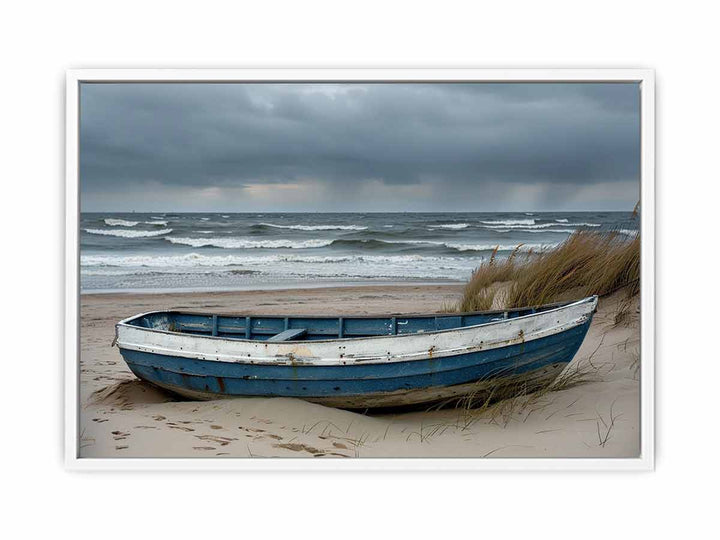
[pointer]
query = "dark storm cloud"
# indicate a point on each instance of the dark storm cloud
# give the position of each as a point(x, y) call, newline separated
point(462, 137)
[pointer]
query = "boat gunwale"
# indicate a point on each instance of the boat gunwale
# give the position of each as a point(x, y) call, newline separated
point(558, 306)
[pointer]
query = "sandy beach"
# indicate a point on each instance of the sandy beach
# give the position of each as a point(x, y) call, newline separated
point(121, 416)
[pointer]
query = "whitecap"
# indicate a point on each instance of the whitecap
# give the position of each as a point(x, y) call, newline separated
point(128, 234)
point(120, 222)
point(528, 227)
point(455, 226)
point(500, 247)
point(243, 243)
point(317, 227)
point(509, 222)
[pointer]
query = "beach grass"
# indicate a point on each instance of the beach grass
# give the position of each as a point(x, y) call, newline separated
point(586, 263)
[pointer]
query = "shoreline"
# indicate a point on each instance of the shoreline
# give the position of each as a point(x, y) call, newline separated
point(278, 288)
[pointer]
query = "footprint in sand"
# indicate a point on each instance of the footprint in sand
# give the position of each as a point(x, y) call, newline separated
point(298, 447)
point(222, 441)
point(175, 426)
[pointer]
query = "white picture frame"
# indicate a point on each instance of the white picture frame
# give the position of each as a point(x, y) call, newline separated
point(646, 80)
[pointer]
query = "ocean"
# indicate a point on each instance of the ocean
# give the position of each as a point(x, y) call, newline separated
point(194, 251)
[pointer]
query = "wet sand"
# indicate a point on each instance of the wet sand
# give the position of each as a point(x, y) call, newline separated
point(121, 416)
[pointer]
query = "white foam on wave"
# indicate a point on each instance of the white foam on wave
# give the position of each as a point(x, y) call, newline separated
point(120, 222)
point(563, 231)
point(190, 260)
point(473, 247)
point(500, 247)
point(509, 222)
point(469, 247)
point(454, 226)
point(225, 216)
point(531, 227)
point(158, 222)
point(317, 227)
point(561, 220)
point(128, 234)
point(243, 243)
point(283, 266)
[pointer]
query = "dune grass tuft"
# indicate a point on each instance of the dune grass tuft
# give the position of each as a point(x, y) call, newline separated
point(586, 263)
point(480, 291)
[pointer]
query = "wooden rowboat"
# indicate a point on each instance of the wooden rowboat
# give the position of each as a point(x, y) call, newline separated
point(355, 362)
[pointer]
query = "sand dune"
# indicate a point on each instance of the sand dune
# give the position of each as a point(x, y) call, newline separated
point(124, 417)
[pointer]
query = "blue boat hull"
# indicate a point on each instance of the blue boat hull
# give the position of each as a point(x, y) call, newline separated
point(360, 386)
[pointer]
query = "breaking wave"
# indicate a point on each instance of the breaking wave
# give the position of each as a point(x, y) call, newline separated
point(530, 227)
point(199, 260)
point(120, 222)
point(316, 227)
point(243, 243)
point(127, 234)
point(509, 222)
point(365, 245)
point(454, 226)
point(500, 247)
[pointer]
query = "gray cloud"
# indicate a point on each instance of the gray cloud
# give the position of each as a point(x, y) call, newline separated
point(341, 146)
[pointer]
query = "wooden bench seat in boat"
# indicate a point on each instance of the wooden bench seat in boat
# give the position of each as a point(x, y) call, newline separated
point(287, 335)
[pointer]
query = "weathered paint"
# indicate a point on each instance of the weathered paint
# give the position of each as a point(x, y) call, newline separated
point(376, 371)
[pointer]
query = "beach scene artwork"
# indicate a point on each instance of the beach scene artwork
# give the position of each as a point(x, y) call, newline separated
point(359, 270)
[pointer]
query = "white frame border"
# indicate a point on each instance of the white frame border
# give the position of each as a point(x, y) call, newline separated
point(645, 77)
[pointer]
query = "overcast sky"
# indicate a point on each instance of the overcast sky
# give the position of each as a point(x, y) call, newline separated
point(359, 147)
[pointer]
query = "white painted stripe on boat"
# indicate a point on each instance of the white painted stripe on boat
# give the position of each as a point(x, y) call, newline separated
point(377, 349)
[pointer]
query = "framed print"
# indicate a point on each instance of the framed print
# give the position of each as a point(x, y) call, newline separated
point(360, 269)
